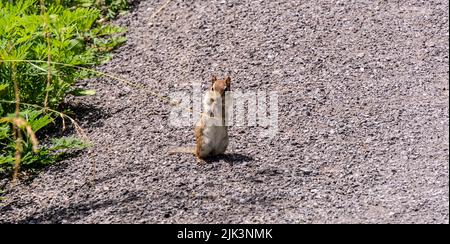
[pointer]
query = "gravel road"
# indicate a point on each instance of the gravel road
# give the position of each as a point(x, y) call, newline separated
point(363, 134)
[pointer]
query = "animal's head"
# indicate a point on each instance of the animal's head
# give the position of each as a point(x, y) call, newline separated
point(220, 86)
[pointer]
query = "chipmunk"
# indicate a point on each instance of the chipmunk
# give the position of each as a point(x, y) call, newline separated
point(211, 132)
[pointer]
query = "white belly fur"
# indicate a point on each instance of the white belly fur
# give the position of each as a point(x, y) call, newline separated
point(215, 137)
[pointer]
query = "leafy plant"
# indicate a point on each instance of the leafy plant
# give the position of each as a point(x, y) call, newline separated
point(1, 193)
point(68, 143)
point(36, 120)
point(74, 40)
point(42, 46)
point(109, 8)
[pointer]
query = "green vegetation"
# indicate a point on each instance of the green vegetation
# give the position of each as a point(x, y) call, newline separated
point(109, 8)
point(42, 46)
point(1, 193)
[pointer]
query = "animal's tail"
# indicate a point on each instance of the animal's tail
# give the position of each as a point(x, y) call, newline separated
point(182, 150)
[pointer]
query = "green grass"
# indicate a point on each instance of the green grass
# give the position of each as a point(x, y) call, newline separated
point(46, 33)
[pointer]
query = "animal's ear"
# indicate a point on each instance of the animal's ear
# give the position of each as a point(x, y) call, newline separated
point(228, 81)
point(213, 79)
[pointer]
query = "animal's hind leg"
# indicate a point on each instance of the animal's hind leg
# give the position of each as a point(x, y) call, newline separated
point(200, 161)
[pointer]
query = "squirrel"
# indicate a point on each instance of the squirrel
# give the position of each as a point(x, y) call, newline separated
point(211, 131)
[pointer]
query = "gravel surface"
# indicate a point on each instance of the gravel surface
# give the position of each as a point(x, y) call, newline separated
point(363, 119)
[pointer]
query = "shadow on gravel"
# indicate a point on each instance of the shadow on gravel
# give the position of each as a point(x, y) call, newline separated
point(60, 165)
point(88, 115)
point(32, 171)
point(76, 211)
point(231, 158)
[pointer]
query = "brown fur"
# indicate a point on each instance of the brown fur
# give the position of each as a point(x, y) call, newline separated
point(198, 131)
point(220, 86)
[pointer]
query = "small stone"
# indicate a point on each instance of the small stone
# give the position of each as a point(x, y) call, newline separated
point(306, 171)
point(360, 55)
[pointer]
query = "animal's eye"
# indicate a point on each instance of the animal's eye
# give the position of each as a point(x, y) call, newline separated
point(212, 88)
